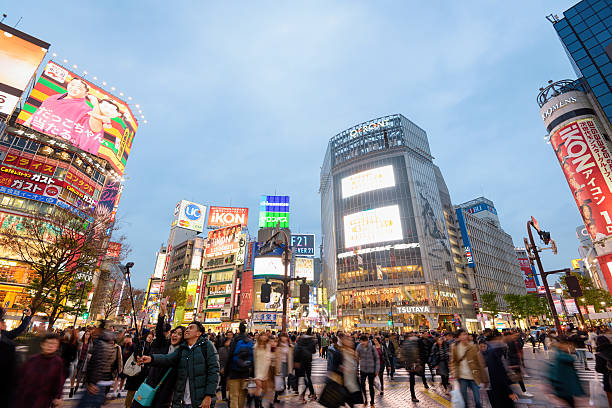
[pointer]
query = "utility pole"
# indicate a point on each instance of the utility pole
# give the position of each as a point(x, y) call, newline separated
point(533, 250)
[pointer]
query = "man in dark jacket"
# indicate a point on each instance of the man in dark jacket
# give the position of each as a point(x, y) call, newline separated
point(236, 379)
point(8, 357)
point(302, 360)
point(99, 368)
point(500, 394)
point(424, 353)
point(197, 365)
point(409, 358)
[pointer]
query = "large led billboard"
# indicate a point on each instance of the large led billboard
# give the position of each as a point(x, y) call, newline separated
point(586, 161)
point(20, 57)
point(189, 215)
point(268, 266)
point(66, 106)
point(373, 179)
point(227, 216)
point(223, 241)
point(276, 297)
point(303, 244)
point(377, 225)
point(304, 268)
point(273, 210)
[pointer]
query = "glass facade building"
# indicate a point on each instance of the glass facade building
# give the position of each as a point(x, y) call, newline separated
point(386, 255)
point(586, 34)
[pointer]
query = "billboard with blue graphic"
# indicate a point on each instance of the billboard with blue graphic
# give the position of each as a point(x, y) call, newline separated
point(189, 215)
point(466, 238)
point(273, 210)
point(481, 207)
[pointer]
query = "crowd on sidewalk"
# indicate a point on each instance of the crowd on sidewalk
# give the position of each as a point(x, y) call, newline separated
point(188, 367)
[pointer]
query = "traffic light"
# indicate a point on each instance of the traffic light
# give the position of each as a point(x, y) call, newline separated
point(304, 294)
point(85, 315)
point(266, 288)
point(389, 323)
point(544, 236)
point(573, 286)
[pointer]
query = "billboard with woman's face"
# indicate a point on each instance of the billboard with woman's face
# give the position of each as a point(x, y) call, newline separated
point(68, 107)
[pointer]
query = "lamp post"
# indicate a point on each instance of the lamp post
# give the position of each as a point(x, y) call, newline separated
point(126, 271)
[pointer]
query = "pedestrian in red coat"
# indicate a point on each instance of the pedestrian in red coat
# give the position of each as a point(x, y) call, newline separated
point(41, 379)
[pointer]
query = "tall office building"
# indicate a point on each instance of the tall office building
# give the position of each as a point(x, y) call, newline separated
point(586, 34)
point(489, 250)
point(386, 251)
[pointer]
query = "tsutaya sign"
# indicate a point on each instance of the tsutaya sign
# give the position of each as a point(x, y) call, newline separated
point(413, 309)
point(556, 106)
point(369, 127)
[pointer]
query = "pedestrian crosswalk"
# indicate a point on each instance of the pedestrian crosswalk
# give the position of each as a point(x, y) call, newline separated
point(79, 393)
point(587, 375)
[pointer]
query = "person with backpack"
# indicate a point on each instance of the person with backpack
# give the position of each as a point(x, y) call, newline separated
point(239, 367)
point(197, 368)
point(302, 359)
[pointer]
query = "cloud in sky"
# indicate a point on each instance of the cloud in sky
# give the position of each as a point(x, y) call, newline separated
point(242, 97)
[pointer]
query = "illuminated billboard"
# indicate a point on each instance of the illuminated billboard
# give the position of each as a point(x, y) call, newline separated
point(304, 268)
point(227, 216)
point(66, 106)
point(373, 179)
point(303, 244)
point(20, 57)
point(584, 156)
point(268, 266)
point(223, 241)
point(276, 297)
point(370, 226)
point(273, 210)
point(189, 215)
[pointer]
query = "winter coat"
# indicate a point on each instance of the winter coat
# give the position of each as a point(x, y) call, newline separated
point(440, 357)
point(409, 356)
point(223, 352)
point(232, 374)
point(278, 359)
point(513, 353)
point(369, 362)
point(424, 349)
point(41, 381)
point(474, 360)
point(303, 352)
point(563, 377)
point(161, 345)
point(68, 353)
point(102, 358)
point(262, 358)
point(200, 363)
point(499, 381)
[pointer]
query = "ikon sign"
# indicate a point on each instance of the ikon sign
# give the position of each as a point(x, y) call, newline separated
point(227, 216)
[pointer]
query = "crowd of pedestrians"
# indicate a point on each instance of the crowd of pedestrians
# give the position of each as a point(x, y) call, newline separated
point(188, 366)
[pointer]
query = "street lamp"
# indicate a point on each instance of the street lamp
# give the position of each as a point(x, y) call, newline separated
point(126, 272)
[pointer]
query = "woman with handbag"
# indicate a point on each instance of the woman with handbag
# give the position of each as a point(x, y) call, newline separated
point(283, 362)
point(166, 342)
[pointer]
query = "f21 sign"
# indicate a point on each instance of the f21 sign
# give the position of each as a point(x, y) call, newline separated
point(303, 244)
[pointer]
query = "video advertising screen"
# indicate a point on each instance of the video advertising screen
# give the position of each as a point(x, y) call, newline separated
point(377, 225)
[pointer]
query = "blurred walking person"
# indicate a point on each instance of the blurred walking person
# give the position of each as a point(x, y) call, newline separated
point(500, 393)
point(8, 356)
point(82, 358)
point(383, 357)
point(562, 373)
point(409, 358)
point(262, 356)
point(467, 366)
point(283, 361)
point(42, 377)
point(302, 360)
point(603, 361)
point(439, 360)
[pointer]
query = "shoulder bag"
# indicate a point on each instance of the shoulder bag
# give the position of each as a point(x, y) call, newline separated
point(145, 394)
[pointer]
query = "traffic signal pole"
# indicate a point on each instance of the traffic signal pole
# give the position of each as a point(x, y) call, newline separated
point(534, 250)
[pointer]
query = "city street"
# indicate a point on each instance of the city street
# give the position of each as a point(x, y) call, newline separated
point(397, 392)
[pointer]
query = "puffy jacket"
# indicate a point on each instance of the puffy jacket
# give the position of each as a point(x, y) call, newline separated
point(200, 363)
point(102, 358)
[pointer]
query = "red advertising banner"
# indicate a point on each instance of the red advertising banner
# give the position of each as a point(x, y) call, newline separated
point(605, 264)
point(246, 295)
point(227, 216)
point(113, 250)
point(25, 163)
point(223, 241)
point(587, 164)
point(530, 283)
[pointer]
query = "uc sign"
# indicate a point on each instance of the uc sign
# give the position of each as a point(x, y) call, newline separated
point(193, 212)
point(303, 244)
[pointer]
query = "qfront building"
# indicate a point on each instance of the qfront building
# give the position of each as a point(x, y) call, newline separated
point(387, 259)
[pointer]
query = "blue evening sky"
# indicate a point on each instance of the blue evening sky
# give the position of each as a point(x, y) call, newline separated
point(241, 98)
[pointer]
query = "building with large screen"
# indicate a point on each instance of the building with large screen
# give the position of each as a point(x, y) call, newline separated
point(386, 255)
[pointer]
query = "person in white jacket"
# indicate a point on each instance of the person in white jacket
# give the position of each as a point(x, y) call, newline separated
point(262, 358)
